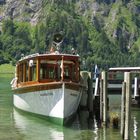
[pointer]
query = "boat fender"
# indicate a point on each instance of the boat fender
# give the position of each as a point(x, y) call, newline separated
point(14, 82)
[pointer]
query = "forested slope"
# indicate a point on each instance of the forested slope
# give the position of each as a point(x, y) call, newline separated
point(104, 32)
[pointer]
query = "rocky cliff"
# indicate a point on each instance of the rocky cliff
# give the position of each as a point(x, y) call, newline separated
point(22, 10)
point(98, 29)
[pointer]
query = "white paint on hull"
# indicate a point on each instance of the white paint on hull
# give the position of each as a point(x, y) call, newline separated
point(60, 103)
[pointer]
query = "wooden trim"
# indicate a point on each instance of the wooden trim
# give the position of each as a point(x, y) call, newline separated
point(29, 73)
point(24, 72)
point(38, 87)
point(58, 57)
point(51, 56)
point(17, 73)
point(21, 72)
point(73, 86)
point(29, 83)
point(49, 80)
point(46, 86)
point(62, 68)
point(77, 71)
point(38, 70)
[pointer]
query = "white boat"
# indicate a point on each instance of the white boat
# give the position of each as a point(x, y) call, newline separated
point(48, 85)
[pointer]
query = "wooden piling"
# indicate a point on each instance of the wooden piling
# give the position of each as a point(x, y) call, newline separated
point(90, 90)
point(104, 77)
point(127, 79)
point(84, 80)
point(123, 108)
point(104, 134)
point(101, 100)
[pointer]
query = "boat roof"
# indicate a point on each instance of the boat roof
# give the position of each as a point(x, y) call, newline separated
point(123, 69)
point(50, 56)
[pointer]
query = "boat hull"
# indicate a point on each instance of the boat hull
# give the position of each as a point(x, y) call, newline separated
point(57, 104)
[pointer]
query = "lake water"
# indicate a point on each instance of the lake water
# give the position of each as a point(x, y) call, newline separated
point(15, 125)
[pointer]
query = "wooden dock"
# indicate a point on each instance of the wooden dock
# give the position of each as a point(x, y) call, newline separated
point(115, 86)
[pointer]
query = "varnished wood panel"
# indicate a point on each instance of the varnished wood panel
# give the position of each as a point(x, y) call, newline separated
point(48, 86)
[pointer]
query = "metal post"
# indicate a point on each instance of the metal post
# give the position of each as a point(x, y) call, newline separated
point(96, 86)
point(135, 87)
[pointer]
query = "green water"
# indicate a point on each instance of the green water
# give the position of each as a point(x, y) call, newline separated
point(15, 125)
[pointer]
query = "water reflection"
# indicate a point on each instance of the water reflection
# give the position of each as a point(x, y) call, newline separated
point(19, 126)
point(96, 129)
point(36, 129)
point(88, 123)
point(135, 131)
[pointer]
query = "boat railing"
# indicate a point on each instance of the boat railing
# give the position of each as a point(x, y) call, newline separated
point(29, 56)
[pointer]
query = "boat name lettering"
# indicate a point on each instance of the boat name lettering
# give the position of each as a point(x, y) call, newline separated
point(46, 94)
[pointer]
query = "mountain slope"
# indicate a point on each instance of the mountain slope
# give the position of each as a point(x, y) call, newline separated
point(105, 32)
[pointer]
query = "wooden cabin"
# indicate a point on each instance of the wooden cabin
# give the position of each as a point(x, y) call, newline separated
point(47, 68)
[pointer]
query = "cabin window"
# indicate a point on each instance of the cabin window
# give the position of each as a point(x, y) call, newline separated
point(26, 71)
point(49, 70)
point(67, 72)
point(52, 70)
point(73, 72)
point(20, 68)
point(43, 69)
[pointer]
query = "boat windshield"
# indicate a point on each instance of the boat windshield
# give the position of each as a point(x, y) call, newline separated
point(58, 70)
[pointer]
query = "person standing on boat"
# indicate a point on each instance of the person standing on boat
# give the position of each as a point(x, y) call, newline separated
point(52, 50)
point(73, 51)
